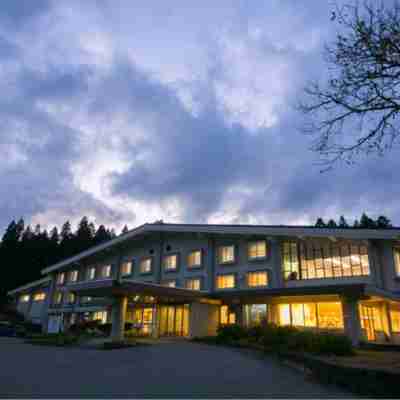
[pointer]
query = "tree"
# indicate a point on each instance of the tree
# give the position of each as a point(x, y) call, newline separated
point(101, 235)
point(383, 222)
point(356, 110)
point(331, 224)
point(367, 222)
point(342, 222)
point(125, 229)
point(320, 223)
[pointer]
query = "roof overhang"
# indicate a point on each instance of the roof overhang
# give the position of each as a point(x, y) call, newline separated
point(128, 287)
point(31, 285)
point(261, 230)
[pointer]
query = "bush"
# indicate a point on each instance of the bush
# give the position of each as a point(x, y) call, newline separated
point(53, 339)
point(128, 326)
point(230, 333)
point(327, 343)
point(105, 328)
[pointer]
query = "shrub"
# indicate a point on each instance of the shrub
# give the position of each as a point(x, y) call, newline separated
point(327, 343)
point(105, 328)
point(230, 333)
point(128, 326)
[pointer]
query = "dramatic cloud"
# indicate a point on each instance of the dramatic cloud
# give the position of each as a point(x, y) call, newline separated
point(135, 111)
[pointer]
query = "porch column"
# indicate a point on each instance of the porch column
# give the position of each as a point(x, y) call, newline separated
point(118, 313)
point(156, 322)
point(351, 319)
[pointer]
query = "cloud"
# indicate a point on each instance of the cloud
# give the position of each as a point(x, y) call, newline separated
point(136, 112)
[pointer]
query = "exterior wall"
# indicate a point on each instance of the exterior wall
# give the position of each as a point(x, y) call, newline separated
point(203, 320)
point(389, 280)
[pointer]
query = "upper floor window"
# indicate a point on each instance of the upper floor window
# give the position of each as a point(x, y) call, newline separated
point(40, 296)
point(58, 297)
point(91, 273)
point(73, 276)
point(226, 254)
point(257, 250)
point(61, 278)
point(226, 281)
point(106, 271)
point(85, 299)
point(170, 283)
point(396, 255)
point(24, 298)
point(257, 278)
point(194, 259)
point(171, 262)
point(193, 283)
point(126, 268)
point(71, 298)
point(146, 265)
point(290, 260)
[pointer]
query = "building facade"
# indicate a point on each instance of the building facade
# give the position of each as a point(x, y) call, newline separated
point(186, 280)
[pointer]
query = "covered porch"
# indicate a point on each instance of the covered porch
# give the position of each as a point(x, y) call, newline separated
point(154, 310)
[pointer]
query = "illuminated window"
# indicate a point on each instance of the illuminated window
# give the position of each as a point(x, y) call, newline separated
point(225, 281)
point(171, 262)
point(257, 249)
point(193, 284)
point(333, 260)
point(226, 254)
point(257, 278)
point(39, 296)
point(86, 299)
point(255, 314)
point(396, 255)
point(169, 283)
point(395, 319)
point(194, 259)
point(71, 298)
point(91, 273)
point(73, 276)
point(106, 271)
point(146, 265)
point(24, 298)
point(126, 268)
point(290, 261)
point(322, 315)
point(100, 316)
point(60, 278)
point(226, 317)
point(58, 297)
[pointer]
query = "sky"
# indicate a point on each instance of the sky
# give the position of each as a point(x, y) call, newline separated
point(135, 111)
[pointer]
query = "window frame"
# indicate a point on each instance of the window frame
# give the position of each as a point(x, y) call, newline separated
point(103, 269)
point(60, 280)
point(194, 278)
point(131, 262)
point(257, 258)
point(142, 259)
point(165, 256)
point(266, 271)
point(396, 260)
point(42, 294)
point(226, 274)
point(235, 254)
point(195, 266)
point(88, 273)
point(71, 274)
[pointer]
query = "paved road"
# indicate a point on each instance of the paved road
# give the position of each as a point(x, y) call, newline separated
point(162, 370)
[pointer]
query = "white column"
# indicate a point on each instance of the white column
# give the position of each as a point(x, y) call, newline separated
point(118, 313)
point(351, 319)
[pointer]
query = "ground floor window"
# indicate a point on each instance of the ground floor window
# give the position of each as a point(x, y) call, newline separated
point(370, 320)
point(174, 320)
point(254, 314)
point(324, 315)
point(395, 320)
point(100, 315)
point(226, 316)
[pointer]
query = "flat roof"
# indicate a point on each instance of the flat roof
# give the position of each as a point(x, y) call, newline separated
point(267, 230)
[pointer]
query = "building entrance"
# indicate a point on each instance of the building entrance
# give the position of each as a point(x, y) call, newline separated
point(174, 320)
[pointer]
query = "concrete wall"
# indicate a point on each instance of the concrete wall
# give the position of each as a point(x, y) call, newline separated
point(203, 319)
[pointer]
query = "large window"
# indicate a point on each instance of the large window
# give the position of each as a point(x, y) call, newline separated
point(100, 316)
point(106, 271)
point(290, 260)
point(171, 262)
point(194, 259)
point(226, 254)
point(226, 316)
point(225, 281)
point(39, 296)
point(193, 283)
point(257, 250)
point(58, 296)
point(396, 255)
point(255, 314)
point(24, 298)
point(395, 320)
point(315, 261)
point(146, 265)
point(126, 268)
point(257, 278)
point(61, 278)
point(324, 315)
point(71, 298)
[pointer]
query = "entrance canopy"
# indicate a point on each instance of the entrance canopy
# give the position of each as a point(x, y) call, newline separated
point(130, 287)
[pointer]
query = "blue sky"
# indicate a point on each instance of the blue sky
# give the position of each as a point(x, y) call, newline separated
point(183, 111)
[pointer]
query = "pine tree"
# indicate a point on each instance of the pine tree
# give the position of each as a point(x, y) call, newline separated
point(342, 222)
point(124, 230)
point(101, 235)
point(367, 222)
point(383, 222)
point(320, 223)
point(331, 224)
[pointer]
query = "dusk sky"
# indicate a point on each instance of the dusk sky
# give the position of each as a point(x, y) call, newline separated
point(134, 111)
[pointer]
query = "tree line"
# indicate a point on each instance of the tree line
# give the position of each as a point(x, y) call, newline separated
point(365, 222)
point(26, 250)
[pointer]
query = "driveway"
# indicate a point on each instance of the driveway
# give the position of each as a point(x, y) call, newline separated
point(179, 369)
